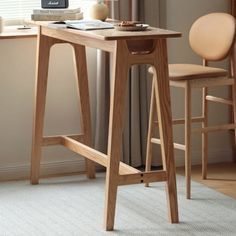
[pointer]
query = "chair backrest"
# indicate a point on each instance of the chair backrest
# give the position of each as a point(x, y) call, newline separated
point(211, 36)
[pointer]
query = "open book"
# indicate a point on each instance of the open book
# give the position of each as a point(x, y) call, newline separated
point(82, 24)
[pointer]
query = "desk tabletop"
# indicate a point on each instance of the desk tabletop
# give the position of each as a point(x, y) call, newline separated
point(113, 34)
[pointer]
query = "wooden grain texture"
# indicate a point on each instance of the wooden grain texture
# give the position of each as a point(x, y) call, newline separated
point(57, 140)
point(84, 37)
point(162, 93)
point(85, 151)
point(123, 55)
point(116, 120)
point(150, 132)
point(51, 140)
point(211, 82)
point(191, 76)
point(187, 138)
point(11, 32)
point(232, 91)
point(204, 135)
point(219, 100)
point(176, 145)
point(215, 128)
point(84, 101)
point(43, 54)
point(145, 177)
point(233, 95)
point(94, 155)
point(182, 121)
point(110, 34)
point(126, 169)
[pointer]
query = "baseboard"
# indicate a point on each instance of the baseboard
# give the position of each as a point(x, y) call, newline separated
point(215, 156)
point(74, 166)
point(47, 168)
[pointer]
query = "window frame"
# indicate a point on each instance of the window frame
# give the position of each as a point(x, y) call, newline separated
point(18, 10)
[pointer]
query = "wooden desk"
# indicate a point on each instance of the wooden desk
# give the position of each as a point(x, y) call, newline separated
point(127, 49)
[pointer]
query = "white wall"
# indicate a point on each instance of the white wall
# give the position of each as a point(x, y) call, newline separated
point(17, 75)
point(179, 15)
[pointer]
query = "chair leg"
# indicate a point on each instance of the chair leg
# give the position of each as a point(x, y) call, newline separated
point(234, 117)
point(150, 132)
point(232, 95)
point(188, 139)
point(204, 135)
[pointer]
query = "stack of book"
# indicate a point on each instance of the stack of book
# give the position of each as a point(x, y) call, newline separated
point(57, 14)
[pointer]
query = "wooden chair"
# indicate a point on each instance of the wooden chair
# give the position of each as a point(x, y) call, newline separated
point(211, 37)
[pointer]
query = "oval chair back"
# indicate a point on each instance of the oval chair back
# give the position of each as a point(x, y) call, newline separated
point(211, 36)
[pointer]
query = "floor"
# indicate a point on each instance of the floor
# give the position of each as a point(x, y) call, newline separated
point(221, 177)
point(74, 206)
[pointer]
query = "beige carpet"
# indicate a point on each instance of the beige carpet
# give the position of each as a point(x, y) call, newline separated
point(73, 206)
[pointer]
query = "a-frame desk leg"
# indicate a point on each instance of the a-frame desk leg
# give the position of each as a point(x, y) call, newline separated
point(119, 85)
point(83, 91)
point(162, 92)
point(43, 52)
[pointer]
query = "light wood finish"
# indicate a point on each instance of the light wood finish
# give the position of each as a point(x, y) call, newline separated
point(176, 145)
point(43, 53)
point(147, 177)
point(204, 125)
point(58, 140)
point(85, 151)
point(213, 40)
point(190, 72)
point(162, 97)
point(182, 121)
point(108, 35)
point(51, 140)
point(11, 32)
point(232, 90)
point(219, 100)
point(83, 91)
point(212, 82)
point(94, 155)
point(150, 132)
point(126, 169)
point(116, 118)
point(221, 177)
point(199, 83)
point(189, 76)
point(216, 128)
point(187, 138)
point(71, 36)
point(127, 49)
point(233, 95)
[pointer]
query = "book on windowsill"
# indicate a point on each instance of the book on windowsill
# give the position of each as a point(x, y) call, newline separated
point(82, 24)
point(57, 11)
point(57, 17)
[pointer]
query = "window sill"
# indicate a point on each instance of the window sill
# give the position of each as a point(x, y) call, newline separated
point(11, 32)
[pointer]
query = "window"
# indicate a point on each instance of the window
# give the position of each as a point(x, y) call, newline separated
point(22, 9)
